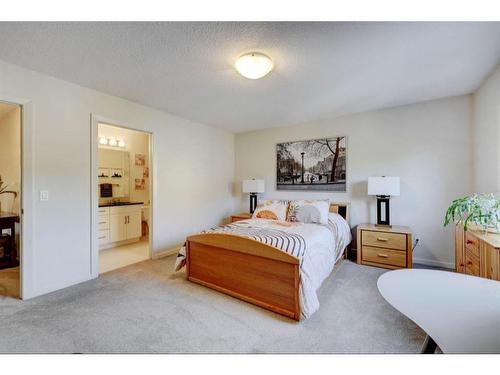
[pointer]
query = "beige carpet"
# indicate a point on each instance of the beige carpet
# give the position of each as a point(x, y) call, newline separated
point(145, 308)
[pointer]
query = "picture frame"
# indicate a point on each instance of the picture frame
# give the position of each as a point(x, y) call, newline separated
point(312, 165)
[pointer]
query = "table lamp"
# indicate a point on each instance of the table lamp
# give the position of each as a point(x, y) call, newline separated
point(383, 188)
point(253, 187)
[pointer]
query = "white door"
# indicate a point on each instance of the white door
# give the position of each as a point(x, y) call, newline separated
point(134, 225)
point(117, 227)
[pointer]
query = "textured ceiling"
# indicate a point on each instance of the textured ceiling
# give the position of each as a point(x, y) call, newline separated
point(322, 70)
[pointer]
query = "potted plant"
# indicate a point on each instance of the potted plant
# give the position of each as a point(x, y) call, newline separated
point(3, 190)
point(482, 210)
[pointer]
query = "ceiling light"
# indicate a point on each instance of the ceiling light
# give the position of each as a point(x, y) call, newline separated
point(113, 142)
point(103, 141)
point(121, 143)
point(254, 65)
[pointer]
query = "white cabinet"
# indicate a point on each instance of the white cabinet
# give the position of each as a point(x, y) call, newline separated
point(122, 223)
point(117, 227)
point(134, 225)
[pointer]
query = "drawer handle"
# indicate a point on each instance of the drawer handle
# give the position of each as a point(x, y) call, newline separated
point(382, 239)
point(103, 237)
point(469, 242)
point(102, 222)
point(383, 255)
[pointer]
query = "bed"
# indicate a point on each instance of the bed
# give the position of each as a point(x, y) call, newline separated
point(248, 260)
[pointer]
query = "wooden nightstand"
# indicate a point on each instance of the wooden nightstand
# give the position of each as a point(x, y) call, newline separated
point(242, 216)
point(387, 247)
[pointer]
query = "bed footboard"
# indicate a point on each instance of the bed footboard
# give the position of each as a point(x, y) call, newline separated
point(246, 269)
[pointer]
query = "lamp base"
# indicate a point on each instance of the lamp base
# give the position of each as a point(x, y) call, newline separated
point(253, 202)
point(383, 217)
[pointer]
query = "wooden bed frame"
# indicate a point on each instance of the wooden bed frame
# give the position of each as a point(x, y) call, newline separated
point(248, 269)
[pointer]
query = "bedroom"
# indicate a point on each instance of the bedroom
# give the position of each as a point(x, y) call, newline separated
point(344, 116)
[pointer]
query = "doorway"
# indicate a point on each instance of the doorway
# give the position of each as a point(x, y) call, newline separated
point(123, 190)
point(10, 199)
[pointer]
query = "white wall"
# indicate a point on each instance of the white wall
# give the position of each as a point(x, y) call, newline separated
point(427, 145)
point(486, 104)
point(193, 172)
point(10, 158)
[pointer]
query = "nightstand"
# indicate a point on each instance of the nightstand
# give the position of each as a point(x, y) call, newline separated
point(387, 247)
point(242, 216)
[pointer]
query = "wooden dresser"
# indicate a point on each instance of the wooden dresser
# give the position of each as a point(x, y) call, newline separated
point(387, 247)
point(477, 253)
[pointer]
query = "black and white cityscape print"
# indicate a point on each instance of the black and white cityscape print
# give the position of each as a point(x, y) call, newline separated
point(317, 164)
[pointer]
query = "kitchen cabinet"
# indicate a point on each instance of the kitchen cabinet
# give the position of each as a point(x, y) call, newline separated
point(123, 223)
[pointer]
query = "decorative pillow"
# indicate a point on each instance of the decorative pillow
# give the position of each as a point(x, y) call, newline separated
point(309, 211)
point(272, 209)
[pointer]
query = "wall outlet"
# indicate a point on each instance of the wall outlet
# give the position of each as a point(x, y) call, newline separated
point(44, 195)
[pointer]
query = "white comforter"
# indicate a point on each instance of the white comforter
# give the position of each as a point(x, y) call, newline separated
point(320, 247)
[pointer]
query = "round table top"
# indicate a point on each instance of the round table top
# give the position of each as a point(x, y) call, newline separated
point(460, 312)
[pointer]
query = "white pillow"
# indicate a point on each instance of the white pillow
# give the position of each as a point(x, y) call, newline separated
point(271, 209)
point(309, 211)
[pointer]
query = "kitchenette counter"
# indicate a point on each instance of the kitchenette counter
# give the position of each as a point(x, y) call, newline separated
point(118, 204)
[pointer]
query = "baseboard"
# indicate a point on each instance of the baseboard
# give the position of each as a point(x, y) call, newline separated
point(165, 253)
point(434, 263)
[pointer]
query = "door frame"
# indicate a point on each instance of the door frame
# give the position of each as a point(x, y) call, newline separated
point(27, 192)
point(94, 181)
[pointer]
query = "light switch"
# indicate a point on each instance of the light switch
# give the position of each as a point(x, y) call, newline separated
point(44, 195)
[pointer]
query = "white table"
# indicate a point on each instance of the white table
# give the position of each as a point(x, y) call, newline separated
point(460, 313)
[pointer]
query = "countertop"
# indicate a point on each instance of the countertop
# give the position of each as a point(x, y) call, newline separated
point(119, 204)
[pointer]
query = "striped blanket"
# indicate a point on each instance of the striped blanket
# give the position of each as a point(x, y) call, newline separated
point(291, 243)
point(317, 246)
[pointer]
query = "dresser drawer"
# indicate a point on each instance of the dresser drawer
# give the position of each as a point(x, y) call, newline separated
point(396, 241)
point(472, 263)
point(472, 244)
point(103, 237)
point(125, 209)
point(103, 210)
point(391, 257)
point(103, 222)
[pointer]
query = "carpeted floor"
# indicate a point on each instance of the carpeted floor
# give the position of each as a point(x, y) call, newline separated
point(145, 308)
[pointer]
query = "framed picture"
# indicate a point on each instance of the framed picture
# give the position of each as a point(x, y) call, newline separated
point(312, 165)
point(140, 184)
point(140, 159)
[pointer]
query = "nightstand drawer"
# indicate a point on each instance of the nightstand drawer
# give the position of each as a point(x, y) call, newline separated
point(395, 258)
point(395, 241)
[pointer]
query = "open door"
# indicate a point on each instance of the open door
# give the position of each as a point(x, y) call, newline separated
point(10, 199)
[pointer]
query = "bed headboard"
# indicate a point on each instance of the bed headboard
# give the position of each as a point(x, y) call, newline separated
point(343, 209)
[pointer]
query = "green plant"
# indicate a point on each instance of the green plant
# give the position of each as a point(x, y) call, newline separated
point(3, 189)
point(479, 209)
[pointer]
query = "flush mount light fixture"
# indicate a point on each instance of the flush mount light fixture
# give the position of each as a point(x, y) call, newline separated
point(103, 141)
point(254, 65)
point(113, 142)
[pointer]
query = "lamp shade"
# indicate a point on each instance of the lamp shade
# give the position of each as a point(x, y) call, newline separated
point(253, 186)
point(383, 185)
